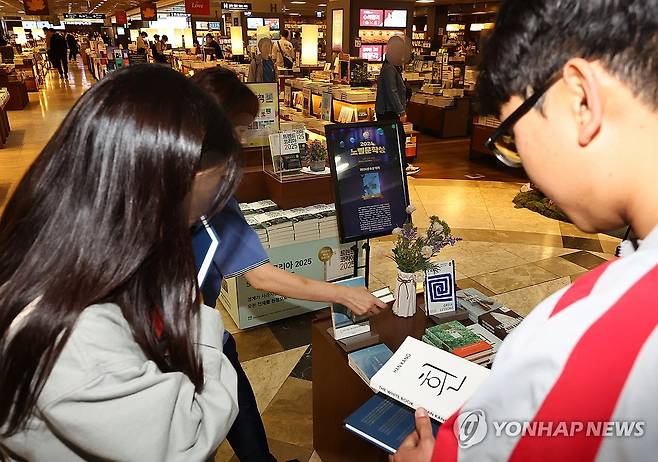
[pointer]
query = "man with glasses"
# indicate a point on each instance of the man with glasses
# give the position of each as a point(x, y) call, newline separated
point(576, 85)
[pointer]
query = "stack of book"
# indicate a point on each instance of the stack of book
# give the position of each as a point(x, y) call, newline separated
point(278, 227)
point(367, 362)
point(490, 314)
point(488, 337)
point(253, 208)
point(260, 230)
point(328, 225)
point(305, 224)
point(459, 340)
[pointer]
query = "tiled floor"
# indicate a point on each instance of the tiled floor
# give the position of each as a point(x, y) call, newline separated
point(514, 255)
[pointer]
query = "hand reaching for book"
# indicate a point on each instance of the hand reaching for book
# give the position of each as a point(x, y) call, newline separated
point(419, 445)
point(360, 301)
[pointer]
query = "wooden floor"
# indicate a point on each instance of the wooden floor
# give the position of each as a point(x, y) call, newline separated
point(449, 159)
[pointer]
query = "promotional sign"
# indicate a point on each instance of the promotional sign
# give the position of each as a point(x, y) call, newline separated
point(250, 307)
point(36, 7)
point(267, 120)
point(440, 290)
point(149, 11)
point(198, 7)
point(369, 182)
point(337, 30)
point(372, 52)
point(371, 18)
point(121, 17)
point(230, 6)
point(395, 18)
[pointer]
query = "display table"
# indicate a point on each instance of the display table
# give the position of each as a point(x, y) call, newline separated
point(338, 391)
point(483, 128)
point(444, 121)
point(17, 89)
point(4, 120)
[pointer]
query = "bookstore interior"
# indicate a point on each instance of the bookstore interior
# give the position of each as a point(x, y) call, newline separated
point(322, 179)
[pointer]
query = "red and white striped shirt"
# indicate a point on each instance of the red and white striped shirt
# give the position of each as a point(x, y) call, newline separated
point(586, 355)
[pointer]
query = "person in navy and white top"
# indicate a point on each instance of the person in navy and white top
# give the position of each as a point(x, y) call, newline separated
point(240, 253)
point(575, 84)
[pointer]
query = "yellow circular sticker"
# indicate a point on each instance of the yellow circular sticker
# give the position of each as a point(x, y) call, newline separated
point(325, 254)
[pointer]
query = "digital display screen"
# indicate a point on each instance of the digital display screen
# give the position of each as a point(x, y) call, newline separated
point(395, 18)
point(202, 25)
point(214, 26)
point(254, 23)
point(370, 186)
point(371, 52)
point(273, 23)
point(121, 31)
point(371, 18)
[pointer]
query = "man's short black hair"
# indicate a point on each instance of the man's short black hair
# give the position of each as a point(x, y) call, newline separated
point(285, 33)
point(533, 39)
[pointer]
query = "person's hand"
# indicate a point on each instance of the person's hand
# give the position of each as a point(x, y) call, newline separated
point(360, 301)
point(403, 118)
point(418, 446)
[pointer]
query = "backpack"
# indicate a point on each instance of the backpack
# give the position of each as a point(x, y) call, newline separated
point(287, 62)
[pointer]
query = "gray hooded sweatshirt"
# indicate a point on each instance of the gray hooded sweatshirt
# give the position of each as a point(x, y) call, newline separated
point(104, 400)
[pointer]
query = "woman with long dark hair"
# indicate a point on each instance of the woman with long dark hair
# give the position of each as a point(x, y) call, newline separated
point(105, 350)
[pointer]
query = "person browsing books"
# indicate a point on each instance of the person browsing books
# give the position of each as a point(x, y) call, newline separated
point(575, 84)
point(107, 352)
point(283, 52)
point(262, 68)
point(240, 253)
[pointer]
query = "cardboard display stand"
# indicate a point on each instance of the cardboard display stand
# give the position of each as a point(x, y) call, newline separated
point(250, 307)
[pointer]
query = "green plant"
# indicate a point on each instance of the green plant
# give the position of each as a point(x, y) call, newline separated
point(537, 202)
point(413, 251)
point(316, 151)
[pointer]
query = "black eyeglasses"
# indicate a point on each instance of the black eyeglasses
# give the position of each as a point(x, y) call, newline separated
point(502, 141)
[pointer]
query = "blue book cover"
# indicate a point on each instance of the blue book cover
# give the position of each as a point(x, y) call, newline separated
point(371, 359)
point(384, 422)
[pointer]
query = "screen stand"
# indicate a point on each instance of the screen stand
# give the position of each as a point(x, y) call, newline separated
point(366, 266)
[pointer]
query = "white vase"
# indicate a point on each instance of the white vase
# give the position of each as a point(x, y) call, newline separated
point(405, 295)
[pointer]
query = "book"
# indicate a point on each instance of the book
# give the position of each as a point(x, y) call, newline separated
point(440, 290)
point(341, 316)
point(476, 303)
point(456, 338)
point(500, 321)
point(368, 361)
point(383, 422)
point(420, 375)
point(487, 336)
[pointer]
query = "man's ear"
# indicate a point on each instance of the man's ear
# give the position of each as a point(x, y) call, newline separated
point(585, 96)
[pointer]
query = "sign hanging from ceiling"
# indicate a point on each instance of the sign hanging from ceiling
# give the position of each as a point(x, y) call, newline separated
point(149, 11)
point(39, 7)
point(230, 6)
point(121, 17)
point(198, 7)
point(88, 18)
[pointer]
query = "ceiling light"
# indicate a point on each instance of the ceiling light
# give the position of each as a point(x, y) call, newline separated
point(424, 1)
point(298, 2)
point(322, 4)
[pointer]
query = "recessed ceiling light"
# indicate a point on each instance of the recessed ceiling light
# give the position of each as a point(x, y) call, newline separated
point(322, 4)
point(424, 1)
point(297, 2)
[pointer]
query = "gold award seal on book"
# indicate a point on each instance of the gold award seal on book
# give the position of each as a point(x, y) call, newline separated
point(325, 254)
